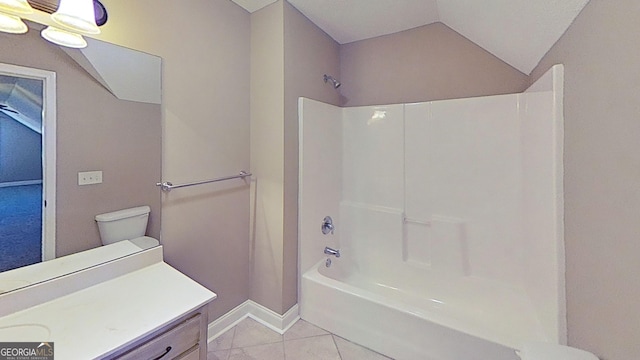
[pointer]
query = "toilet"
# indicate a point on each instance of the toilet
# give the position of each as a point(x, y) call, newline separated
point(546, 351)
point(127, 224)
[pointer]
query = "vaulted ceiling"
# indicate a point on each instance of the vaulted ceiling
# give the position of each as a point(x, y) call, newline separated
point(520, 32)
point(21, 100)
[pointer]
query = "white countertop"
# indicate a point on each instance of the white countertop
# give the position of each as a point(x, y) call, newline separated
point(104, 318)
point(33, 274)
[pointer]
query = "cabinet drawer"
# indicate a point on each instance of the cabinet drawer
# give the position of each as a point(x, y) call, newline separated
point(173, 342)
point(193, 354)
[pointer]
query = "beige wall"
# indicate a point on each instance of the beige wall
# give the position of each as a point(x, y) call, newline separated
point(95, 131)
point(267, 155)
point(309, 54)
point(289, 56)
point(205, 52)
point(431, 62)
point(601, 56)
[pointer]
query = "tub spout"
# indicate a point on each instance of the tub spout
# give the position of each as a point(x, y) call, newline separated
point(330, 251)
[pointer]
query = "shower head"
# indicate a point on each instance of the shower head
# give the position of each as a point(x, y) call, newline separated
point(336, 83)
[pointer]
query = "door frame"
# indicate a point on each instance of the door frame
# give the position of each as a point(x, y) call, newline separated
point(49, 111)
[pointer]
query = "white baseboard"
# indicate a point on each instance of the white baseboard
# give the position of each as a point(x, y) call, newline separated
point(267, 317)
point(20, 183)
point(273, 320)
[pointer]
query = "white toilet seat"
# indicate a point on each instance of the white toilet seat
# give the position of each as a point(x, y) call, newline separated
point(145, 242)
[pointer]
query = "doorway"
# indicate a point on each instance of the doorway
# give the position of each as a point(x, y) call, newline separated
point(27, 166)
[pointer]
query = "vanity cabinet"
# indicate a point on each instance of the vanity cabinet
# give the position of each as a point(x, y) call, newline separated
point(191, 355)
point(134, 307)
point(184, 339)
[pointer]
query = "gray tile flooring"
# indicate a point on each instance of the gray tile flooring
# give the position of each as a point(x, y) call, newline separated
point(250, 340)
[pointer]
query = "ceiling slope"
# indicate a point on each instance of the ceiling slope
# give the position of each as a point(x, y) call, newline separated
point(520, 32)
point(253, 5)
point(352, 20)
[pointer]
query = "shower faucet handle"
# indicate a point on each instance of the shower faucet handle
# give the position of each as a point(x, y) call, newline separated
point(327, 225)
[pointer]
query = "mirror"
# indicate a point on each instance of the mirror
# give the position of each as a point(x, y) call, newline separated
point(95, 131)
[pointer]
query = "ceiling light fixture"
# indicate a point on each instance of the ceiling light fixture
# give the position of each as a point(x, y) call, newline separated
point(10, 21)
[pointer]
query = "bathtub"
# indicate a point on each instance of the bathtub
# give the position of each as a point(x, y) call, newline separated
point(449, 218)
point(448, 319)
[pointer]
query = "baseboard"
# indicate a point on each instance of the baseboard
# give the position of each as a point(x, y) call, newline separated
point(273, 320)
point(20, 183)
point(228, 320)
point(267, 317)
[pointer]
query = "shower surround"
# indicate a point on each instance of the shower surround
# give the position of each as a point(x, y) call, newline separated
point(448, 216)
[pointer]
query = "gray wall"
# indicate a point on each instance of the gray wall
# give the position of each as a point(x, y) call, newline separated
point(430, 62)
point(206, 126)
point(309, 53)
point(20, 151)
point(206, 52)
point(601, 56)
point(267, 156)
point(289, 56)
point(96, 131)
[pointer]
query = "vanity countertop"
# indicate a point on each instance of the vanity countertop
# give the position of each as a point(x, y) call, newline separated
point(57, 267)
point(105, 318)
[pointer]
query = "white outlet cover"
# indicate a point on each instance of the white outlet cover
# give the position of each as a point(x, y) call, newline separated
point(89, 177)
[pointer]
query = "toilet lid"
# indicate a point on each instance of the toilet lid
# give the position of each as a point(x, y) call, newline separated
point(145, 242)
point(546, 351)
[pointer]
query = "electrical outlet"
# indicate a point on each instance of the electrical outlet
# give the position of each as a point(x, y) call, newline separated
point(89, 177)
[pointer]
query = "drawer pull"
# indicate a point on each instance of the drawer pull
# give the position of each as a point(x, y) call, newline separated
point(165, 353)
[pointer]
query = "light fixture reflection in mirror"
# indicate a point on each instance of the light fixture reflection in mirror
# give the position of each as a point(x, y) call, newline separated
point(16, 7)
point(12, 24)
point(64, 38)
point(76, 16)
point(72, 19)
point(10, 21)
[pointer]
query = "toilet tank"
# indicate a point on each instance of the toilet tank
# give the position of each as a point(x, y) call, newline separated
point(123, 224)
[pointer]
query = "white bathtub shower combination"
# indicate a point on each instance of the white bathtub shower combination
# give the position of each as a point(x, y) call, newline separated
point(448, 217)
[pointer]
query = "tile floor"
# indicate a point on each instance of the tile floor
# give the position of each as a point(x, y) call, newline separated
point(250, 340)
